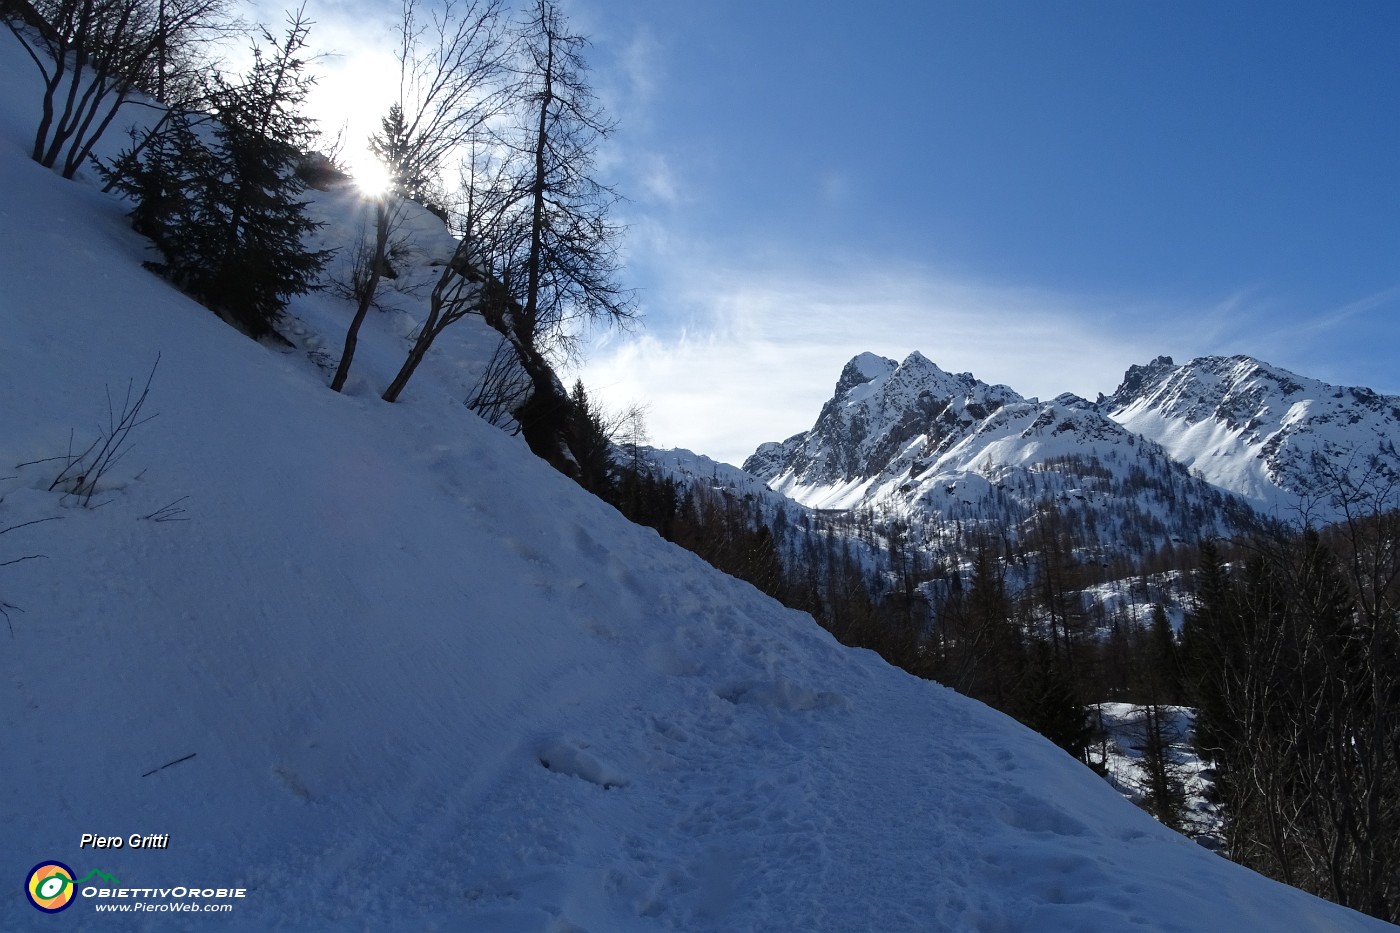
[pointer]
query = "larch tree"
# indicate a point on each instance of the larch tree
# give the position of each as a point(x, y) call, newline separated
point(570, 260)
point(1297, 680)
point(539, 254)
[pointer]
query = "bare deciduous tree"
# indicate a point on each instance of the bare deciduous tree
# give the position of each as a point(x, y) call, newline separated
point(453, 62)
point(538, 253)
point(1296, 669)
point(93, 54)
point(466, 285)
point(502, 388)
point(451, 66)
point(570, 262)
point(538, 234)
point(369, 267)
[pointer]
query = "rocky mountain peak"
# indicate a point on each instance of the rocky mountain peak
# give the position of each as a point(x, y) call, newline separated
point(938, 446)
point(881, 411)
point(945, 443)
point(1139, 376)
point(861, 370)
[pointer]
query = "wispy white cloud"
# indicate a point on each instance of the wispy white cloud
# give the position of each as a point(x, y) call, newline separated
point(745, 340)
point(640, 61)
point(659, 182)
point(627, 65)
point(1347, 313)
point(1354, 343)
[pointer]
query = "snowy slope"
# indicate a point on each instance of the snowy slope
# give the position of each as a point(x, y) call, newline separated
point(1254, 428)
point(428, 684)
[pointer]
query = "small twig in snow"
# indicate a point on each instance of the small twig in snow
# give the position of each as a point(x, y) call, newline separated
point(168, 513)
point(169, 763)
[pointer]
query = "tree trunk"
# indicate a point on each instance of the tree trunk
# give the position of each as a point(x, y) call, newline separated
point(352, 335)
point(415, 356)
point(537, 189)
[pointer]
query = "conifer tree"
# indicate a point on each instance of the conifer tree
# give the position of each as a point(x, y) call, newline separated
point(1165, 796)
point(1212, 656)
point(591, 444)
point(395, 148)
point(1164, 672)
point(1049, 704)
point(221, 200)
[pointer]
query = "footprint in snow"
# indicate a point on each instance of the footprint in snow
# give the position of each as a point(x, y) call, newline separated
point(779, 693)
point(568, 757)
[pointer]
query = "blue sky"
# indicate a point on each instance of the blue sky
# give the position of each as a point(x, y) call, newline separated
point(1041, 193)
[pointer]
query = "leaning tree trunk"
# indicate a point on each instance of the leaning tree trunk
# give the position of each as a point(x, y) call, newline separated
point(366, 296)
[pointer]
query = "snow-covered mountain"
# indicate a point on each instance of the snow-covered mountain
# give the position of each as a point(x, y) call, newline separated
point(377, 667)
point(1256, 429)
point(690, 468)
point(913, 441)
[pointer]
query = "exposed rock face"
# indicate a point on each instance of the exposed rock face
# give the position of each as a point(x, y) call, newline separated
point(878, 409)
point(1175, 443)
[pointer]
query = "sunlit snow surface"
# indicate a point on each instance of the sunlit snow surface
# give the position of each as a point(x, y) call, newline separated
point(429, 684)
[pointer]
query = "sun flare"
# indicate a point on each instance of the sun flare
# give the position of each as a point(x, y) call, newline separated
point(372, 178)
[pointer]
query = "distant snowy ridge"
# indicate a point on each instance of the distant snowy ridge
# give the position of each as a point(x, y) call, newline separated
point(690, 468)
point(1175, 443)
point(1253, 428)
point(911, 440)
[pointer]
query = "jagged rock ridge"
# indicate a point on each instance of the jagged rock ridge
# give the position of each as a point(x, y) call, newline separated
point(911, 440)
point(1280, 440)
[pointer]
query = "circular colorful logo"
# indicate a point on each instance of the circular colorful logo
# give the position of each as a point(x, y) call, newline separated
point(50, 887)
